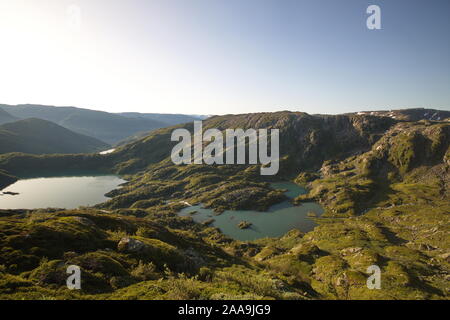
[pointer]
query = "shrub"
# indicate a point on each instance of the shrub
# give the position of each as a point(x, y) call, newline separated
point(145, 271)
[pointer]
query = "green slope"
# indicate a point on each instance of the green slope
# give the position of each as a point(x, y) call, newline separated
point(38, 136)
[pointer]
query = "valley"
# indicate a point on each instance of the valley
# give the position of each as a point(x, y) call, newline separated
point(381, 182)
point(36, 136)
point(275, 222)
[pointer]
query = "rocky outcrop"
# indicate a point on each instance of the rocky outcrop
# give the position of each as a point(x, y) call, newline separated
point(128, 244)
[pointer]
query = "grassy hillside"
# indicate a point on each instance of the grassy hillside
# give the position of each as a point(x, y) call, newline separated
point(38, 136)
point(382, 182)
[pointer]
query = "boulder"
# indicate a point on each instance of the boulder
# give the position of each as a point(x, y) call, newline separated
point(347, 251)
point(85, 221)
point(128, 244)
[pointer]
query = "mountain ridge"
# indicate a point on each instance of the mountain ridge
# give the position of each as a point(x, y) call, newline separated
point(108, 127)
point(39, 136)
point(411, 114)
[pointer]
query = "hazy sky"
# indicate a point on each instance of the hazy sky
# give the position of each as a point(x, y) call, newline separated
point(225, 56)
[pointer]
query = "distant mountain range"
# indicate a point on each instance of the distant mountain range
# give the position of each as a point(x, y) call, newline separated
point(170, 119)
point(107, 127)
point(37, 136)
point(416, 114)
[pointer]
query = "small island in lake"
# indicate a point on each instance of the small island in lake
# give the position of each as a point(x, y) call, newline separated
point(244, 225)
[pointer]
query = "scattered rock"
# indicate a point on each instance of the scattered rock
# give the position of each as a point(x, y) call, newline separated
point(445, 256)
point(130, 245)
point(85, 221)
point(426, 247)
point(342, 280)
point(347, 251)
point(208, 222)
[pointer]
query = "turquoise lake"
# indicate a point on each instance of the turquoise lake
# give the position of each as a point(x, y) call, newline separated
point(275, 222)
point(58, 192)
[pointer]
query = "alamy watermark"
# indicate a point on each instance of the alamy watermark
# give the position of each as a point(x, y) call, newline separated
point(220, 150)
point(73, 282)
point(374, 20)
point(74, 17)
point(374, 280)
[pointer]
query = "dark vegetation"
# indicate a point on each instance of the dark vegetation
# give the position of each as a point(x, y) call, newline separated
point(5, 117)
point(383, 183)
point(38, 136)
point(6, 179)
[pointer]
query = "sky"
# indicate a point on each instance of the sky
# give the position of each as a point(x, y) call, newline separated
point(225, 56)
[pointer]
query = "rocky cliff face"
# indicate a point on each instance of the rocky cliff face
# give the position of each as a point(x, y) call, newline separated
point(413, 152)
point(348, 161)
point(306, 141)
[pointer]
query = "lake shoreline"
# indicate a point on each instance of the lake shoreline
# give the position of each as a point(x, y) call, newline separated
point(277, 220)
point(66, 191)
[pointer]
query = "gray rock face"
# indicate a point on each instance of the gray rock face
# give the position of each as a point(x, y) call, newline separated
point(85, 221)
point(128, 244)
point(342, 280)
point(350, 251)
